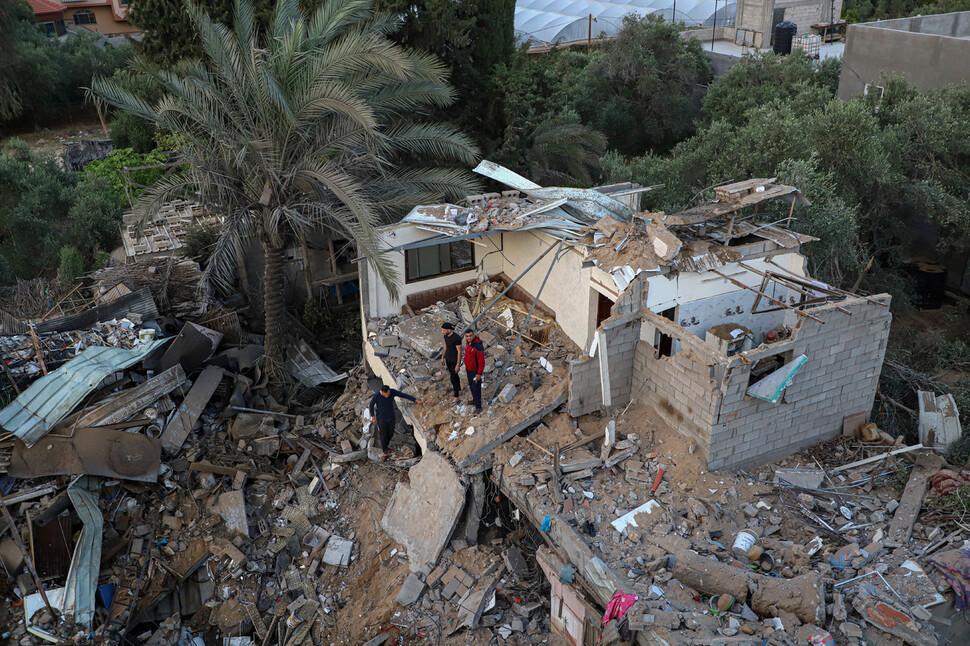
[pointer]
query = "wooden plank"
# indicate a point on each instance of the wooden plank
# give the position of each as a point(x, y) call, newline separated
point(875, 458)
point(190, 410)
point(901, 527)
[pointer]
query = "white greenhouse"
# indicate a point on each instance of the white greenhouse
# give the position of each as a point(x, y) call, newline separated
point(552, 21)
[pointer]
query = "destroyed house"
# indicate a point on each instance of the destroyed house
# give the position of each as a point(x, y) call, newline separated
point(709, 316)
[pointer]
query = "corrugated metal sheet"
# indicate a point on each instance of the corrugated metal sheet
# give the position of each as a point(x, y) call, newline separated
point(52, 398)
point(306, 366)
point(139, 302)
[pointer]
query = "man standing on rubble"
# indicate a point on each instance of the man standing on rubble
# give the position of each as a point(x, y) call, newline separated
point(449, 357)
point(474, 367)
point(382, 411)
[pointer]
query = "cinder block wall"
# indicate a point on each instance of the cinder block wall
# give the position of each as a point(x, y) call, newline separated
point(679, 388)
point(585, 385)
point(844, 361)
point(806, 13)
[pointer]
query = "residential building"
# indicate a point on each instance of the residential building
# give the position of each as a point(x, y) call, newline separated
point(709, 316)
point(106, 17)
point(49, 15)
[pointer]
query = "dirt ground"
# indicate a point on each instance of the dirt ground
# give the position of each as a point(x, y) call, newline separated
point(52, 140)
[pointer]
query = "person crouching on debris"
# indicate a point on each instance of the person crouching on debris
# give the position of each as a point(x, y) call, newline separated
point(449, 357)
point(382, 409)
point(474, 366)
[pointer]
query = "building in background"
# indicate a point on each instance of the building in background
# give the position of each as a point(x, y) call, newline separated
point(929, 51)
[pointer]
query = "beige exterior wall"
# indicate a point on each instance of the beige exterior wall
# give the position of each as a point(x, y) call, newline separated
point(568, 292)
point(106, 23)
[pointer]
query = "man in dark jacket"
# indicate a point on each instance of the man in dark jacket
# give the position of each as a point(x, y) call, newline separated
point(382, 411)
point(474, 366)
point(449, 357)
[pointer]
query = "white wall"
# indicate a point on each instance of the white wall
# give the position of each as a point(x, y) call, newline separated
point(705, 297)
point(379, 299)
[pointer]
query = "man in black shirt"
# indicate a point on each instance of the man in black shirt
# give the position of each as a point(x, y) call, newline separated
point(449, 357)
point(382, 411)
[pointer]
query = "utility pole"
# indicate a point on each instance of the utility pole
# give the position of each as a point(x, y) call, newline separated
point(714, 27)
point(589, 35)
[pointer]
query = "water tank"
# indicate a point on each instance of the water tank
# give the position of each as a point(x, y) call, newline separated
point(784, 34)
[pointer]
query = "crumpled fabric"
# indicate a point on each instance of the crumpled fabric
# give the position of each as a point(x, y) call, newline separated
point(954, 565)
point(618, 606)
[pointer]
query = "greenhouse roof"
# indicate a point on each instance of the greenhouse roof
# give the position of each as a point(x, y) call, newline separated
point(551, 21)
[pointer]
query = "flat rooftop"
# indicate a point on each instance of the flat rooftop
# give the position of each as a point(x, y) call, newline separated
point(827, 50)
point(947, 25)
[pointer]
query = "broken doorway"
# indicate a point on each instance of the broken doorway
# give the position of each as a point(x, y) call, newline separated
point(603, 306)
point(664, 344)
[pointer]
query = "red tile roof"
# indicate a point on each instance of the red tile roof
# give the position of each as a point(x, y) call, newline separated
point(42, 7)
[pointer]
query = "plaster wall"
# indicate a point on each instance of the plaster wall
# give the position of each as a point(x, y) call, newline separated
point(567, 292)
point(929, 51)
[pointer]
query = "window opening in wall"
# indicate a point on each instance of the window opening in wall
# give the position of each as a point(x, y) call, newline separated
point(767, 365)
point(589, 633)
point(664, 344)
point(85, 18)
point(438, 260)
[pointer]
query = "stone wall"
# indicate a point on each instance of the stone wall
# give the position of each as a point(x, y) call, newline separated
point(844, 361)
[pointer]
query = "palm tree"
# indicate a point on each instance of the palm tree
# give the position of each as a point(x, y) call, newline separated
point(565, 151)
point(301, 126)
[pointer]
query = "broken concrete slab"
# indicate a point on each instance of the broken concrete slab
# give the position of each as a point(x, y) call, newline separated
point(422, 333)
point(422, 514)
point(411, 590)
point(807, 478)
point(231, 506)
point(193, 345)
point(338, 551)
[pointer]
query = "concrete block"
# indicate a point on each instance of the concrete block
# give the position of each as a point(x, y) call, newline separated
point(507, 393)
point(411, 590)
point(388, 341)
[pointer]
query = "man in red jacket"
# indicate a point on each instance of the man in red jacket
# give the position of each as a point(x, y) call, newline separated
point(474, 366)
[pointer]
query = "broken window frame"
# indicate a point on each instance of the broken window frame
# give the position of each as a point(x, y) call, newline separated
point(411, 260)
point(787, 356)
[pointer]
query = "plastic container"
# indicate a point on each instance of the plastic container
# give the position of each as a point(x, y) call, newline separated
point(743, 542)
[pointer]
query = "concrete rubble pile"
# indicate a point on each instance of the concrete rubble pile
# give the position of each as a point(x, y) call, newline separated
point(155, 492)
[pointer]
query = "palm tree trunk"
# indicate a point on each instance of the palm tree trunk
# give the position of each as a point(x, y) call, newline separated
point(273, 304)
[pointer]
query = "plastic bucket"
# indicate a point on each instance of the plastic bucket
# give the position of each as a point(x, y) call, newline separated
point(743, 542)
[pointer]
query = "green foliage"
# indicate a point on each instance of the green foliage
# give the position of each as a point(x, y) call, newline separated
point(110, 170)
point(167, 32)
point(134, 133)
point(94, 217)
point(764, 77)
point(200, 241)
point(303, 126)
point(41, 75)
point(867, 10)
point(44, 209)
point(13, 13)
point(564, 152)
point(642, 89)
point(72, 264)
point(34, 196)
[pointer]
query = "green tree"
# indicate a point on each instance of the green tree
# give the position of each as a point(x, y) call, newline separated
point(563, 151)
point(72, 264)
point(94, 217)
point(763, 77)
point(642, 89)
point(12, 14)
point(297, 129)
point(34, 196)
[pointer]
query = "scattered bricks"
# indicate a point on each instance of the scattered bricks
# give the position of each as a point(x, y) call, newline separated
point(450, 574)
point(389, 341)
point(664, 619)
point(400, 353)
point(436, 575)
point(515, 459)
point(346, 447)
point(518, 624)
point(240, 480)
point(507, 393)
point(526, 481)
point(411, 590)
point(451, 588)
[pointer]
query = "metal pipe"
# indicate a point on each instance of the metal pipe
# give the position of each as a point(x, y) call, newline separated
point(528, 318)
point(471, 325)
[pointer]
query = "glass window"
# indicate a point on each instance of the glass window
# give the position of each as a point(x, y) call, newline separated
point(438, 260)
point(85, 18)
